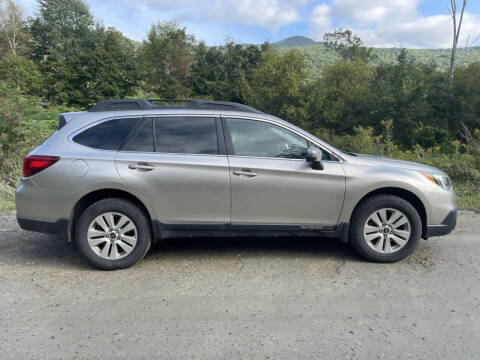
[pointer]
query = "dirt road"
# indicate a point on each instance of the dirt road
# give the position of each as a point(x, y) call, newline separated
point(241, 299)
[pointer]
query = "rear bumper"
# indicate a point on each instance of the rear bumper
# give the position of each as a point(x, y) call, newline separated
point(445, 228)
point(43, 226)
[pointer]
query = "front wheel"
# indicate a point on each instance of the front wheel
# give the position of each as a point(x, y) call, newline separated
point(113, 234)
point(385, 228)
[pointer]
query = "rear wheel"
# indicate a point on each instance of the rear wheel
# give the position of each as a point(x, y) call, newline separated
point(385, 228)
point(113, 234)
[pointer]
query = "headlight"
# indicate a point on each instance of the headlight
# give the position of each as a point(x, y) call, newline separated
point(441, 180)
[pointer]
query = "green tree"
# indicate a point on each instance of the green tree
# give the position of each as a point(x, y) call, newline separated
point(166, 57)
point(81, 62)
point(17, 72)
point(401, 92)
point(345, 95)
point(279, 83)
point(106, 71)
point(63, 36)
point(225, 72)
point(11, 27)
point(465, 104)
point(115, 64)
point(60, 29)
point(347, 45)
point(21, 74)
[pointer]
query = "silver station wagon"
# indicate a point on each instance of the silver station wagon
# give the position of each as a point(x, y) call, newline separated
point(127, 173)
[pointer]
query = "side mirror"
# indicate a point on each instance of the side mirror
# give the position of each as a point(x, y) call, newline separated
point(314, 156)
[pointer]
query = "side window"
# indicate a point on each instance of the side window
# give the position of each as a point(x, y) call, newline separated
point(262, 139)
point(143, 140)
point(108, 135)
point(328, 157)
point(186, 135)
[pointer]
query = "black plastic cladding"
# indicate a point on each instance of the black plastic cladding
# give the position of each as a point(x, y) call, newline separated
point(142, 104)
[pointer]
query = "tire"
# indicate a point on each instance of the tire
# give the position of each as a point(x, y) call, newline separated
point(94, 237)
point(400, 234)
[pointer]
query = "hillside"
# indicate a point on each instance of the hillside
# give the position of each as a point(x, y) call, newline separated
point(295, 41)
point(318, 56)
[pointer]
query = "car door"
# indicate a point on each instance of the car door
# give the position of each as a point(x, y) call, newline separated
point(271, 182)
point(179, 165)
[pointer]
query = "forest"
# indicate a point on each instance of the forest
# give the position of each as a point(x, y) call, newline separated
point(317, 57)
point(63, 59)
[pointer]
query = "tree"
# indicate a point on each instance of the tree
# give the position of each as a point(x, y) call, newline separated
point(11, 25)
point(456, 31)
point(108, 70)
point(81, 61)
point(204, 71)
point(17, 72)
point(114, 64)
point(466, 98)
point(346, 99)
point(348, 46)
point(20, 74)
point(225, 72)
point(60, 29)
point(279, 83)
point(166, 57)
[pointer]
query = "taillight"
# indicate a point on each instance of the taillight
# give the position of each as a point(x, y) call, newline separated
point(33, 164)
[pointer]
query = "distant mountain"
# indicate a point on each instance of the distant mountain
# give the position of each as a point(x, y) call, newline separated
point(318, 56)
point(294, 41)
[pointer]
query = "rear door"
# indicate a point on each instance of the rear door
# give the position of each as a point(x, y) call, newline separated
point(271, 182)
point(179, 164)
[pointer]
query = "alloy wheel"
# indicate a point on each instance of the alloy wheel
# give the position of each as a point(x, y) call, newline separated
point(387, 230)
point(112, 235)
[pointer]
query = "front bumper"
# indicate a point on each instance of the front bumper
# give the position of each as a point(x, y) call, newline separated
point(445, 228)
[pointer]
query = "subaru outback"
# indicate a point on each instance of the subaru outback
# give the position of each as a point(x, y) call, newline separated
point(127, 173)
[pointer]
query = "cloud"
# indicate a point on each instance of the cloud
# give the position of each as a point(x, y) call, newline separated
point(387, 23)
point(214, 21)
point(372, 11)
point(270, 14)
point(321, 19)
point(424, 32)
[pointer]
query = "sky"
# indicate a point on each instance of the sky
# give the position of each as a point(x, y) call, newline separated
point(379, 23)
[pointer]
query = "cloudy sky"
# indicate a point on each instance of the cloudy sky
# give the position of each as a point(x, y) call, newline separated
point(407, 23)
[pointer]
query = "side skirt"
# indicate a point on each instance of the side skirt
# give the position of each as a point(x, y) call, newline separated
point(167, 231)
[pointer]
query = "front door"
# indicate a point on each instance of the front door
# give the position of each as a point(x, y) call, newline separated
point(178, 164)
point(271, 182)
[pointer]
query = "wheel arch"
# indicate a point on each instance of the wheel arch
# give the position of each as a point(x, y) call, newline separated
point(100, 194)
point(407, 195)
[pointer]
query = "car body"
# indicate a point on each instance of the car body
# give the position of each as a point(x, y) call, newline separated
point(213, 170)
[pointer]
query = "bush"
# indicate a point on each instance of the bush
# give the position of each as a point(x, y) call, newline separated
point(25, 123)
point(462, 165)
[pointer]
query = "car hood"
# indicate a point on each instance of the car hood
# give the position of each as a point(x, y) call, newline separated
point(381, 161)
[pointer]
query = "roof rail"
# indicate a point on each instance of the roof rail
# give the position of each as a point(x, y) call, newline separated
point(143, 104)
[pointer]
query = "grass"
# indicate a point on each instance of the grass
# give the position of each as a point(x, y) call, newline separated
point(7, 198)
point(468, 197)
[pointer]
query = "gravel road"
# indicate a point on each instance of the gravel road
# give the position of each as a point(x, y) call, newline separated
point(241, 299)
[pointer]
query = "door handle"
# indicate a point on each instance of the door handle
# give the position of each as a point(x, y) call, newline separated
point(141, 167)
point(244, 172)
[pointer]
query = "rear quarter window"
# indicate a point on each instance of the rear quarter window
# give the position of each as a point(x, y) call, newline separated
point(108, 135)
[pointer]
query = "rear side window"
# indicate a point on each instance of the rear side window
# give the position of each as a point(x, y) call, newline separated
point(143, 140)
point(187, 135)
point(108, 135)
